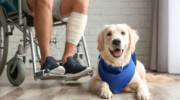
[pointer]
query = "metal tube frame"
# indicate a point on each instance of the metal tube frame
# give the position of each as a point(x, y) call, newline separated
point(20, 12)
point(86, 51)
point(33, 52)
point(38, 52)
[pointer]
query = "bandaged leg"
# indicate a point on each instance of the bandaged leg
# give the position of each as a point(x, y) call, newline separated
point(75, 27)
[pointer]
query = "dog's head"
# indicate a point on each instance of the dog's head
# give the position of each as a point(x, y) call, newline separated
point(116, 43)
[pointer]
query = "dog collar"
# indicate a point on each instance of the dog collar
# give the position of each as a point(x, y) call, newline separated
point(116, 76)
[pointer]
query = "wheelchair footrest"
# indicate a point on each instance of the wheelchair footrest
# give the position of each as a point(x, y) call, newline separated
point(67, 77)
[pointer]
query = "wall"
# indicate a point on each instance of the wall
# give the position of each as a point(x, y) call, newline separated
point(136, 13)
point(174, 35)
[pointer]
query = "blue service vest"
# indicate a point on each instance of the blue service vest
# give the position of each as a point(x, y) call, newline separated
point(117, 77)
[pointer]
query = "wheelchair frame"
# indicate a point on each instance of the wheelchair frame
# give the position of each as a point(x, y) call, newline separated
point(20, 20)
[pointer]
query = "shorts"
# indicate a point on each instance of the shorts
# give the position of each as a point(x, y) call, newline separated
point(56, 10)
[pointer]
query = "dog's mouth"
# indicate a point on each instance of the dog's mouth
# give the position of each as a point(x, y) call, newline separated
point(116, 52)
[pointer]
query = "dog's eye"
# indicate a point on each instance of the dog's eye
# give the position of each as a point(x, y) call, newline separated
point(109, 34)
point(123, 33)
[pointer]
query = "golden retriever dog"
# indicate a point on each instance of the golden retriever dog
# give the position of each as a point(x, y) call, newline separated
point(116, 44)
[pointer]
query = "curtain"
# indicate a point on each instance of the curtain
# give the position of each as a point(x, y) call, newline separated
point(160, 36)
point(154, 48)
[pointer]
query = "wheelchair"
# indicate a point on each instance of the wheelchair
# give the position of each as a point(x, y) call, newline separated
point(11, 16)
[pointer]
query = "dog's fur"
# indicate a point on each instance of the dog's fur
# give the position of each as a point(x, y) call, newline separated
point(128, 38)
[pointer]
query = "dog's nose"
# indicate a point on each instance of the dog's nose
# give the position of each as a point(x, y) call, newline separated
point(116, 42)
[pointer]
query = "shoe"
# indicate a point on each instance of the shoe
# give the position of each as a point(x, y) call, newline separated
point(72, 67)
point(50, 66)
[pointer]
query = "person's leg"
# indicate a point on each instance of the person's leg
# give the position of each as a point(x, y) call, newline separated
point(42, 11)
point(77, 11)
point(80, 10)
point(43, 22)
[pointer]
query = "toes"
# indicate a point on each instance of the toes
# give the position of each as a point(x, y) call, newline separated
point(106, 94)
point(142, 96)
point(105, 91)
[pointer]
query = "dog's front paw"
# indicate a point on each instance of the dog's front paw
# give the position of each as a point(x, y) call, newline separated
point(105, 91)
point(143, 94)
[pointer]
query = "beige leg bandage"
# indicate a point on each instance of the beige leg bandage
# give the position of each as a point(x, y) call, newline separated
point(75, 27)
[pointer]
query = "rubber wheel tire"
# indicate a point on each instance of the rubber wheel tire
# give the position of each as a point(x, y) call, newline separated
point(17, 77)
point(5, 42)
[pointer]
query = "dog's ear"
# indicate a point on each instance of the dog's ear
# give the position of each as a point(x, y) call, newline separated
point(133, 37)
point(101, 39)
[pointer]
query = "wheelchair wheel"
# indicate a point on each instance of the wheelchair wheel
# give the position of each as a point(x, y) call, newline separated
point(17, 76)
point(4, 40)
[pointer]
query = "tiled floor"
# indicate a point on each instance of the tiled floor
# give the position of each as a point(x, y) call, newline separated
point(56, 90)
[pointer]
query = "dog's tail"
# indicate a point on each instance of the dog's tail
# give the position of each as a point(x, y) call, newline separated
point(150, 77)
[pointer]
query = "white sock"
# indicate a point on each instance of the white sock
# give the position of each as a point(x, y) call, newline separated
point(75, 27)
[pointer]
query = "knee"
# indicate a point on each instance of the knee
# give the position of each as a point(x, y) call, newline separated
point(48, 4)
point(82, 4)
